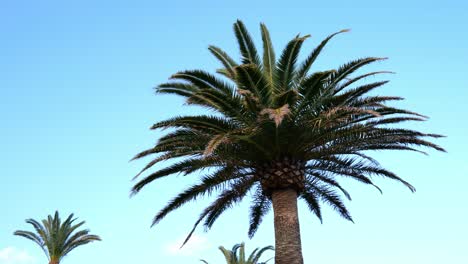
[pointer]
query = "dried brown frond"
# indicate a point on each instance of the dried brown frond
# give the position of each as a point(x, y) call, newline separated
point(278, 114)
point(214, 143)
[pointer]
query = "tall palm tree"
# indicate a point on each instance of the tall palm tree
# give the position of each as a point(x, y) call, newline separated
point(234, 257)
point(55, 238)
point(279, 133)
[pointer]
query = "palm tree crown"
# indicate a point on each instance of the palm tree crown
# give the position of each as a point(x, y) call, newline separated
point(237, 255)
point(55, 238)
point(275, 126)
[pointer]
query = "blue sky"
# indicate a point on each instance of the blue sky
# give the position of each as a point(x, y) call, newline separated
point(76, 103)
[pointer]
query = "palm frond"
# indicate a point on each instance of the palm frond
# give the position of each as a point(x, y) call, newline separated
point(255, 256)
point(286, 63)
point(269, 61)
point(216, 181)
point(312, 202)
point(260, 207)
point(246, 45)
point(251, 79)
point(306, 65)
point(31, 236)
point(187, 166)
point(207, 124)
point(360, 77)
point(228, 63)
point(350, 67)
point(329, 197)
point(232, 195)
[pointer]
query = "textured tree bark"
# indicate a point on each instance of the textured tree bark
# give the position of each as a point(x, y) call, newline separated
point(54, 261)
point(287, 234)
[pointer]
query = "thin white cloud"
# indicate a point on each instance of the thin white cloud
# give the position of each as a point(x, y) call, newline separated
point(195, 245)
point(11, 255)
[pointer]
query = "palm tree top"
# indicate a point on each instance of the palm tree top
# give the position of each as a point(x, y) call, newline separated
point(277, 125)
point(57, 238)
point(237, 255)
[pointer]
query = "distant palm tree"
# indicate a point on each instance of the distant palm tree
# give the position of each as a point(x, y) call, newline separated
point(55, 238)
point(280, 132)
point(234, 257)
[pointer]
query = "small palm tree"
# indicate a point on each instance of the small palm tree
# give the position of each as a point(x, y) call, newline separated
point(234, 257)
point(55, 238)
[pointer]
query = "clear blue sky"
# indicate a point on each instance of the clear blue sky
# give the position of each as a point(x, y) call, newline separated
point(76, 103)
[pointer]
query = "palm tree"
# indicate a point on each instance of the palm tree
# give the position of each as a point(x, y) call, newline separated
point(55, 238)
point(279, 133)
point(233, 257)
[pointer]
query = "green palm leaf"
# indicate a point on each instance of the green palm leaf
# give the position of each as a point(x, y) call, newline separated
point(246, 45)
point(306, 65)
point(269, 61)
point(287, 62)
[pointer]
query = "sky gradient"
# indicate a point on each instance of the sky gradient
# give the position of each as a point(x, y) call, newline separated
point(76, 103)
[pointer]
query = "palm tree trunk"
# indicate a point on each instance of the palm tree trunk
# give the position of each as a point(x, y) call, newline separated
point(54, 261)
point(287, 234)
